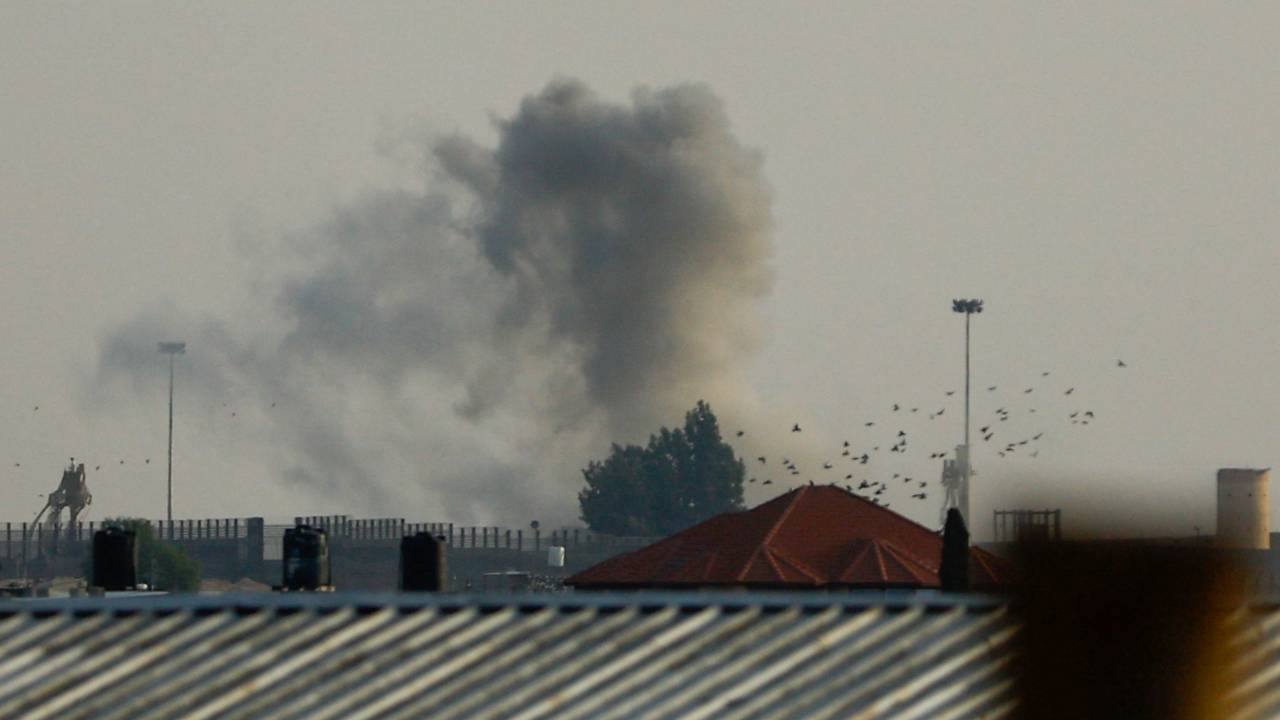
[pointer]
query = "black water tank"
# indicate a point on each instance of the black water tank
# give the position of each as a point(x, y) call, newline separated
point(424, 563)
point(306, 559)
point(115, 559)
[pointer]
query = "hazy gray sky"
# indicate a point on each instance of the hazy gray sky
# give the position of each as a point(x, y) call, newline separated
point(1104, 175)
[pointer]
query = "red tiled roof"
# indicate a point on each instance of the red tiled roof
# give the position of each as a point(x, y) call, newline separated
point(814, 536)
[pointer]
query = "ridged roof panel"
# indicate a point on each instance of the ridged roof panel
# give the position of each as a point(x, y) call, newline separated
point(645, 655)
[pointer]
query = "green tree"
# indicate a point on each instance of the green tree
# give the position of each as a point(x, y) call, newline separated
point(162, 565)
point(682, 477)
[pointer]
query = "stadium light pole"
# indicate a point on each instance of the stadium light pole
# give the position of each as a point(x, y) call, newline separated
point(171, 349)
point(968, 308)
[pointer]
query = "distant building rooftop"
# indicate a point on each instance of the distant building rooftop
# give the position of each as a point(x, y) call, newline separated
point(812, 537)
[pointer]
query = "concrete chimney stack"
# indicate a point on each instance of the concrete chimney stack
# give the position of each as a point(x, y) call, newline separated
point(1244, 508)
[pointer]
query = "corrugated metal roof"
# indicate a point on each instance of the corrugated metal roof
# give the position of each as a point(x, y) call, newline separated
point(651, 655)
point(812, 536)
point(644, 655)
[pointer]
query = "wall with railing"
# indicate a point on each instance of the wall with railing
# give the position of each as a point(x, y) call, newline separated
point(365, 550)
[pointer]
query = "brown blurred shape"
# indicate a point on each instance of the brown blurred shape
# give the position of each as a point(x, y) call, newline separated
point(1115, 630)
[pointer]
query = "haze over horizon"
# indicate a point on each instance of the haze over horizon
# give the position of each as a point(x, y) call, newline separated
point(434, 266)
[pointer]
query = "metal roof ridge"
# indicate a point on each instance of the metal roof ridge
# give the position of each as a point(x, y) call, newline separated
point(773, 530)
point(772, 553)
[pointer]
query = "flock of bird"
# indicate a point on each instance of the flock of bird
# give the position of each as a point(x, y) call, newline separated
point(869, 456)
point(1022, 419)
point(123, 461)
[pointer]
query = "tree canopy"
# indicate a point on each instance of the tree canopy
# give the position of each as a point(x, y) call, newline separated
point(682, 477)
point(162, 565)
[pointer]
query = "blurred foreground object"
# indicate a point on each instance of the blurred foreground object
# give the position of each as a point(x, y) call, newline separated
point(1127, 631)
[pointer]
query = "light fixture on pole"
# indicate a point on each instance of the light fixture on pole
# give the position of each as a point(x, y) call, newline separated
point(958, 486)
point(171, 349)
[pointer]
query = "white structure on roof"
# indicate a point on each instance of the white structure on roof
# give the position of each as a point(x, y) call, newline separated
point(1244, 508)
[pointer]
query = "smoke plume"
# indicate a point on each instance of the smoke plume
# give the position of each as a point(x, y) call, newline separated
point(464, 348)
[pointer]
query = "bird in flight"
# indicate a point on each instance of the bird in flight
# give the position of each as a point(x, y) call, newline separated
point(795, 427)
point(870, 424)
point(1027, 391)
point(991, 389)
point(950, 393)
point(762, 459)
point(1121, 363)
point(1069, 391)
point(895, 407)
point(741, 433)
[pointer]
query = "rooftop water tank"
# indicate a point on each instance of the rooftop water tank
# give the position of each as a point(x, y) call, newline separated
point(1244, 508)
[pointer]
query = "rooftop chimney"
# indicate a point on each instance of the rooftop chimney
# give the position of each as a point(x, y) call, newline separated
point(954, 570)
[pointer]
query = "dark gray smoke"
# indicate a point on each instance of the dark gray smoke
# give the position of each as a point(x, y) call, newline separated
point(469, 346)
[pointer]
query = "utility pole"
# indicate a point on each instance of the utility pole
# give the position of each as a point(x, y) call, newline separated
point(171, 349)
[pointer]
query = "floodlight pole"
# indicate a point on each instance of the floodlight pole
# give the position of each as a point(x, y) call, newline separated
point(171, 349)
point(967, 315)
point(961, 470)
